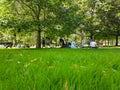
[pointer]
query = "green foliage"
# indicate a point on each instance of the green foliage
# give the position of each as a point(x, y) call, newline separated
point(60, 18)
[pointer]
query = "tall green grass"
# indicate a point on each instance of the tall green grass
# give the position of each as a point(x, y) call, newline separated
point(59, 69)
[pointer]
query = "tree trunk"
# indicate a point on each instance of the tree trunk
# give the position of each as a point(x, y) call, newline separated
point(91, 35)
point(14, 40)
point(116, 44)
point(108, 42)
point(38, 44)
point(105, 43)
point(112, 42)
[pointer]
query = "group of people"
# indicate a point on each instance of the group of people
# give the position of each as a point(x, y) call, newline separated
point(91, 44)
point(63, 43)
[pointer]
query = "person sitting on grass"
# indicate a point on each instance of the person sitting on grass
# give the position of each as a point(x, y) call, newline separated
point(101, 44)
point(93, 44)
point(73, 44)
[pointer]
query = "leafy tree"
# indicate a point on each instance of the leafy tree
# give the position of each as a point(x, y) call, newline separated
point(61, 18)
point(42, 15)
point(109, 13)
point(13, 18)
point(91, 21)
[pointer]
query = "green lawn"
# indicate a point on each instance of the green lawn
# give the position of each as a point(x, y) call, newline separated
point(60, 69)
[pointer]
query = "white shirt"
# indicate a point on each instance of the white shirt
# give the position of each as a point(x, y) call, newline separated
point(92, 44)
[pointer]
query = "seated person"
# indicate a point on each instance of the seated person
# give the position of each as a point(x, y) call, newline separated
point(101, 43)
point(93, 44)
point(73, 44)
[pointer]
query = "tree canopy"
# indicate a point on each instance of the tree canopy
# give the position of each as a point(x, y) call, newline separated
point(60, 18)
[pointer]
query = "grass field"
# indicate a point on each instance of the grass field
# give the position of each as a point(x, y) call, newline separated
point(60, 69)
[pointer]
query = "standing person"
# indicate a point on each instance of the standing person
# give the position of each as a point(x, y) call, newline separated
point(88, 42)
point(93, 44)
point(73, 44)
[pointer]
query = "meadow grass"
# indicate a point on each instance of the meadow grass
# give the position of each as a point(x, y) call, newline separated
point(60, 69)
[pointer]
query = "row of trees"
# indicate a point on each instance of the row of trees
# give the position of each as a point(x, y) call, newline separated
point(96, 18)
